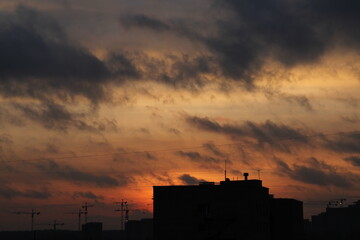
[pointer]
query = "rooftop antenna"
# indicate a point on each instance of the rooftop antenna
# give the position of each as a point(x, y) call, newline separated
point(124, 212)
point(32, 214)
point(258, 170)
point(85, 207)
point(225, 168)
point(336, 203)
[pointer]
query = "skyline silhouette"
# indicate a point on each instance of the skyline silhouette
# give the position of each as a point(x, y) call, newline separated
point(82, 213)
point(31, 219)
point(230, 209)
point(101, 100)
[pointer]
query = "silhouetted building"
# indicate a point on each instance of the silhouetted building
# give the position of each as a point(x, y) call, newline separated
point(286, 219)
point(230, 210)
point(92, 231)
point(41, 235)
point(337, 223)
point(58, 235)
point(139, 229)
point(307, 229)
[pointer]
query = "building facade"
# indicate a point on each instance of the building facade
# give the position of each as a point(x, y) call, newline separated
point(337, 223)
point(230, 210)
point(139, 229)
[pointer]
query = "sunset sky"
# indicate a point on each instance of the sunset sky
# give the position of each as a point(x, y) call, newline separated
point(101, 100)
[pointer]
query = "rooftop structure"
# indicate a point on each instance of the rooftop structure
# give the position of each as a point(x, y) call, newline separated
point(231, 210)
point(337, 223)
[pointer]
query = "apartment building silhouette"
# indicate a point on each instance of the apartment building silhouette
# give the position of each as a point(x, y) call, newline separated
point(230, 210)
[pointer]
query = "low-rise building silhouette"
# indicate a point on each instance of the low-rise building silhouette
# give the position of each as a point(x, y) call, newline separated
point(139, 229)
point(337, 223)
point(92, 231)
point(230, 210)
point(286, 219)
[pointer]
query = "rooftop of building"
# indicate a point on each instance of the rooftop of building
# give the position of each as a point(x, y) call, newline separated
point(246, 183)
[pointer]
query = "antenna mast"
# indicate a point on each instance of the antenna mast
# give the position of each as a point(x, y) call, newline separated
point(225, 169)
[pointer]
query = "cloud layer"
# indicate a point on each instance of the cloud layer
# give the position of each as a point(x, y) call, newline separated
point(250, 32)
point(38, 60)
point(190, 180)
point(68, 173)
point(317, 173)
point(276, 135)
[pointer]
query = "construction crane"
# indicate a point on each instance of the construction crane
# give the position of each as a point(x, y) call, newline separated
point(124, 212)
point(79, 213)
point(33, 213)
point(54, 224)
point(57, 224)
point(85, 207)
point(336, 203)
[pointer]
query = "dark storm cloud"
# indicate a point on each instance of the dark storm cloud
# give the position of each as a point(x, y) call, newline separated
point(89, 195)
point(174, 131)
point(197, 157)
point(194, 156)
point(72, 174)
point(184, 71)
point(178, 71)
point(354, 118)
point(267, 132)
point(49, 114)
point(339, 18)
point(188, 179)
point(182, 27)
point(354, 160)
point(8, 117)
point(343, 142)
point(251, 31)
point(212, 126)
point(202, 161)
point(302, 101)
point(187, 73)
point(37, 60)
point(55, 116)
point(9, 193)
point(260, 28)
point(280, 136)
point(143, 21)
point(150, 156)
point(163, 177)
point(291, 32)
point(315, 172)
point(120, 65)
point(214, 149)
